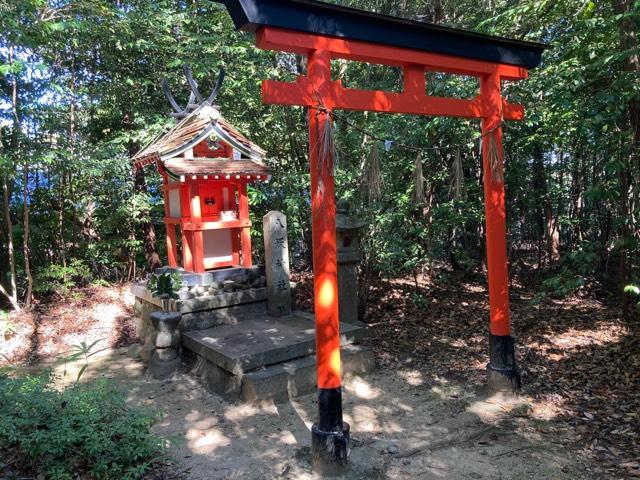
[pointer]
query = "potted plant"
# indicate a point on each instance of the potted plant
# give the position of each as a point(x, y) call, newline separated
point(165, 286)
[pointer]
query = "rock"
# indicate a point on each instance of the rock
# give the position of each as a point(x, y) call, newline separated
point(256, 283)
point(161, 369)
point(164, 355)
point(165, 321)
point(146, 352)
point(198, 291)
point(166, 340)
point(184, 295)
point(134, 351)
point(229, 286)
point(392, 448)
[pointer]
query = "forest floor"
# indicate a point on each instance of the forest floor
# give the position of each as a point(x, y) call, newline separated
point(422, 414)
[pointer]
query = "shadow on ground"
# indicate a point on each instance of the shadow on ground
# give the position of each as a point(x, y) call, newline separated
point(404, 426)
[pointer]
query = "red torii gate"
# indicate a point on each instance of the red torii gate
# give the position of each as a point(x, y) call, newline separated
point(324, 32)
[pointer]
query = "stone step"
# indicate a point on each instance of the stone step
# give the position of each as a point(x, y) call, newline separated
point(222, 316)
point(290, 379)
point(259, 341)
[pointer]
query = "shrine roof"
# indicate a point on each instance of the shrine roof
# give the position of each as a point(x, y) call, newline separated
point(315, 17)
point(199, 125)
point(217, 166)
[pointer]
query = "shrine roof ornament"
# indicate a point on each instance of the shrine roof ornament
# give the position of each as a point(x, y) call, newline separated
point(315, 17)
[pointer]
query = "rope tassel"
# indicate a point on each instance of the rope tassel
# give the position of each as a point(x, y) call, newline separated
point(372, 178)
point(457, 178)
point(497, 174)
point(326, 150)
point(418, 181)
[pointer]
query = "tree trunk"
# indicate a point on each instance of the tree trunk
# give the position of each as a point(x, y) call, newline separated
point(12, 292)
point(629, 43)
point(25, 243)
point(149, 232)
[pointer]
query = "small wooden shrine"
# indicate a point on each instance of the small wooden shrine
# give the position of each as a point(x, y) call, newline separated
point(206, 165)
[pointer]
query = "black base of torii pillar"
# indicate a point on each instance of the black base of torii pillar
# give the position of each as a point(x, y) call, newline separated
point(503, 375)
point(330, 439)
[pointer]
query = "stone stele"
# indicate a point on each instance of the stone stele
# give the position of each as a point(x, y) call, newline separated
point(276, 249)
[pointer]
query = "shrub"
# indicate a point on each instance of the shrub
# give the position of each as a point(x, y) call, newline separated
point(61, 279)
point(576, 269)
point(82, 431)
point(7, 328)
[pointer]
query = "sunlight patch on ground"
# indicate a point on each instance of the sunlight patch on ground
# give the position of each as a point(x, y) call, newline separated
point(413, 377)
point(362, 389)
point(557, 346)
point(364, 418)
point(210, 440)
point(236, 413)
point(602, 335)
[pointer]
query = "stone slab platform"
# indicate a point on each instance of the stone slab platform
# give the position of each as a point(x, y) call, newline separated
point(260, 341)
point(236, 274)
point(203, 303)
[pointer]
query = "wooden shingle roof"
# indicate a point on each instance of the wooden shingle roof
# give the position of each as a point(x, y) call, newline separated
point(199, 125)
point(217, 166)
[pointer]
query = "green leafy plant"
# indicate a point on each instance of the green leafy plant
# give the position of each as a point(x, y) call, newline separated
point(633, 290)
point(62, 279)
point(82, 351)
point(7, 327)
point(575, 270)
point(165, 285)
point(83, 431)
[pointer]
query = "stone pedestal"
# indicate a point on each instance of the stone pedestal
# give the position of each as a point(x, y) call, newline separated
point(166, 356)
point(276, 249)
point(348, 231)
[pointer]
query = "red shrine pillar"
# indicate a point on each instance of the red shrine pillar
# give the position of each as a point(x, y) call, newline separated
point(329, 435)
point(502, 371)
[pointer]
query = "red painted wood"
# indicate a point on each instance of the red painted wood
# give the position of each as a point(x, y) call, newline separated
point(494, 202)
point(245, 233)
point(209, 264)
point(302, 93)
point(284, 40)
point(198, 252)
point(414, 80)
point(323, 221)
point(172, 246)
point(235, 246)
point(187, 248)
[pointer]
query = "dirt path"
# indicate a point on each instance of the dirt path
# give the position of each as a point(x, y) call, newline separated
point(421, 415)
point(403, 427)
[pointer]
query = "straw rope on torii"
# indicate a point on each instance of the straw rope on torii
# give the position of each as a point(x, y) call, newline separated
point(371, 175)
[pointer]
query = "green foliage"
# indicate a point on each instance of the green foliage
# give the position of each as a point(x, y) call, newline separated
point(7, 327)
point(165, 285)
point(633, 290)
point(84, 430)
point(88, 74)
point(84, 352)
point(62, 279)
point(575, 269)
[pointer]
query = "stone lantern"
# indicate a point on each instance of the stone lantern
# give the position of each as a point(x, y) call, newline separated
point(348, 231)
